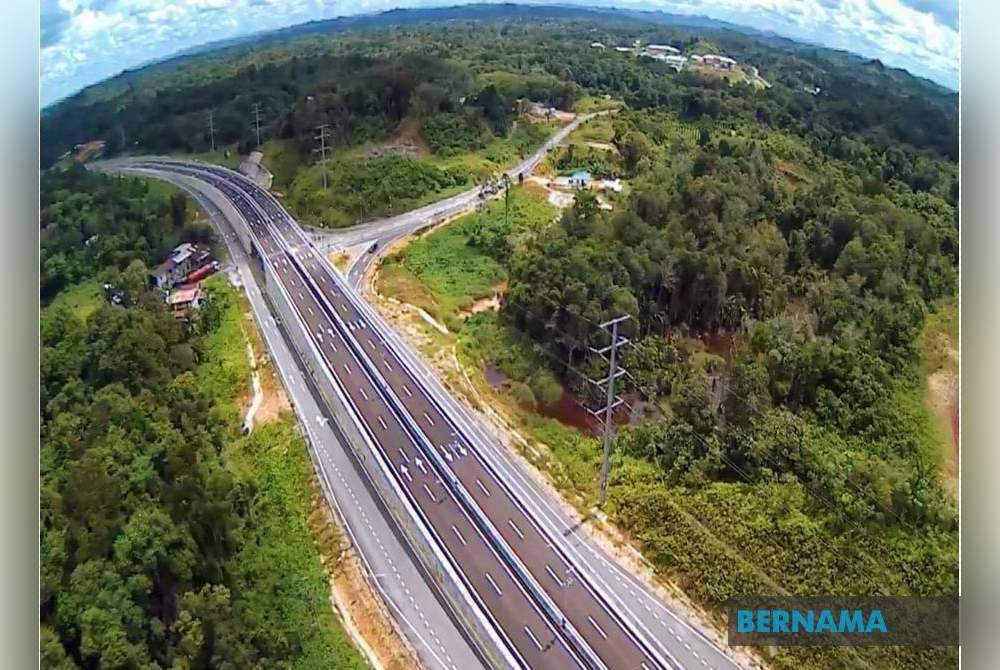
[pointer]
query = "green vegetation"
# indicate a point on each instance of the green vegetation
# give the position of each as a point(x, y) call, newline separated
point(81, 300)
point(809, 446)
point(93, 224)
point(455, 272)
point(804, 459)
point(368, 189)
point(167, 540)
point(282, 158)
point(449, 134)
point(446, 270)
point(939, 339)
point(815, 236)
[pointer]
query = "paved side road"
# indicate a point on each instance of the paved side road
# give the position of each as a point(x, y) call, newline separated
point(419, 615)
point(385, 231)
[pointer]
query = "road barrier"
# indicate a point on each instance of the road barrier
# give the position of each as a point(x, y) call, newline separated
point(417, 531)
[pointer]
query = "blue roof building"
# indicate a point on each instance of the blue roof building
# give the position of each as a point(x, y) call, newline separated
point(580, 178)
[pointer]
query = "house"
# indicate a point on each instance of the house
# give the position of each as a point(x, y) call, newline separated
point(661, 49)
point(183, 260)
point(580, 179)
point(596, 45)
point(184, 300)
point(719, 62)
point(624, 50)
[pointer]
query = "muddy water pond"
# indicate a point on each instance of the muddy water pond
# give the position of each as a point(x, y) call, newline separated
point(567, 410)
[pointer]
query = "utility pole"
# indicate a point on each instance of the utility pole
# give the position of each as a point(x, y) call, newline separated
point(322, 129)
point(211, 128)
point(256, 120)
point(610, 354)
point(506, 199)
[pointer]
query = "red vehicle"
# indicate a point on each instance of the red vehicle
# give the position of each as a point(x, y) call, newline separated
point(201, 273)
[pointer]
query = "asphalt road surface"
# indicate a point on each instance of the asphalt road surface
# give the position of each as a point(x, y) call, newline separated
point(422, 619)
point(385, 231)
point(535, 640)
point(530, 525)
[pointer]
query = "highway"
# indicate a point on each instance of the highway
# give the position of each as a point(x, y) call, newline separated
point(514, 506)
point(540, 637)
point(393, 572)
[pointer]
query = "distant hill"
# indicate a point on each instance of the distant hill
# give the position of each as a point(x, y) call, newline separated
point(482, 12)
point(163, 104)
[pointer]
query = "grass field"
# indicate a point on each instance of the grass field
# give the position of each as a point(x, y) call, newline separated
point(445, 271)
point(454, 272)
point(224, 371)
point(590, 103)
point(599, 129)
point(83, 299)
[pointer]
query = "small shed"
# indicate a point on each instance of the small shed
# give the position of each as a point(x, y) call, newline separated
point(580, 179)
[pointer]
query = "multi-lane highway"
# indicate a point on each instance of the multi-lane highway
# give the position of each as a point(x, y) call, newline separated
point(525, 627)
point(552, 613)
point(393, 571)
point(437, 463)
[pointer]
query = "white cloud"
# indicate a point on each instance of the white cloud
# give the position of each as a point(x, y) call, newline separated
point(84, 41)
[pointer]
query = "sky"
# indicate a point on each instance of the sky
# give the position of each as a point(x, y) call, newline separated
point(86, 41)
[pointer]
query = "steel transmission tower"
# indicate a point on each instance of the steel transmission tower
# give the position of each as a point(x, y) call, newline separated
point(610, 354)
point(256, 120)
point(322, 130)
point(211, 128)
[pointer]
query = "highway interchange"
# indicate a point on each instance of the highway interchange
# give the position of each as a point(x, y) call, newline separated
point(557, 601)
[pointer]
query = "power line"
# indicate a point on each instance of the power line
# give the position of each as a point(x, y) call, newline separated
point(727, 391)
point(322, 130)
point(733, 466)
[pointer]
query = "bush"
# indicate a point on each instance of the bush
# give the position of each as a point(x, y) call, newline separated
point(545, 387)
point(522, 395)
point(366, 189)
point(450, 134)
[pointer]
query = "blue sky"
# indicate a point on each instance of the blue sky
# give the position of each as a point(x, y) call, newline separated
point(85, 41)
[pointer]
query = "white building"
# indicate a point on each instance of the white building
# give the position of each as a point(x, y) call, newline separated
point(721, 62)
point(613, 185)
point(596, 45)
point(661, 48)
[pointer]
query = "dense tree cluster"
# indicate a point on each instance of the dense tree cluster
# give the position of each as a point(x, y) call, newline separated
point(144, 530)
point(362, 89)
point(827, 283)
point(92, 223)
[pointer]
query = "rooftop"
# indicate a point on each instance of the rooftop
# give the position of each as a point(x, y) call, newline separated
point(184, 295)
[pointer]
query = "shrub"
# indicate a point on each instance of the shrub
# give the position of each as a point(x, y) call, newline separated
point(451, 134)
point(522, 395)
point(545, 387)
